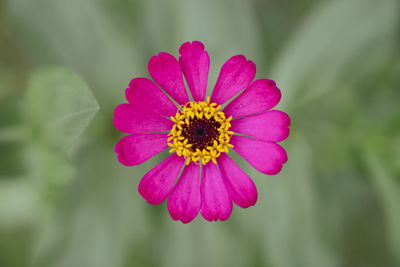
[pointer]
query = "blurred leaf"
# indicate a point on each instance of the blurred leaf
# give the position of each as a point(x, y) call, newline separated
point(199, 243)
point(337, 42)
point(50, 171)
point(17, 202)
point(12, 137)
point(83, 36)
point(26, 199)
point(15, 243)
point(98, 219)
point(60, 106)
point(12, 161)
point(291, 221)
point(10, 111)
point(388, 189)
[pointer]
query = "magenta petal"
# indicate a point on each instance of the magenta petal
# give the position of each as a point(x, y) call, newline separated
point(156, 185)
point(215, 201)
point(261, 95)
point(235, 75)
point(195, 64)
point(165, 70)
point(265, 157)
point(146, 95)
point(240, 187)
point(184, 201)
point(131, 119)
point(270, 126)
point(137, 148)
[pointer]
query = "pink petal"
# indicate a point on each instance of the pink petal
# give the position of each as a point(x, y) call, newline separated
point(137, 148)
point(235, 75)
point(184, 201)
point(165, 70)
point(195, 64)
point(265, 157)
point(261, 95)
point(145, 94)
point(240, 187)
point(131, 119)
point(156, 185)
point(215, 201)
point(270, 125)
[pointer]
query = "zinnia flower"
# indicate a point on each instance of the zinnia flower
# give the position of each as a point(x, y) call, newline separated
point(200, 133)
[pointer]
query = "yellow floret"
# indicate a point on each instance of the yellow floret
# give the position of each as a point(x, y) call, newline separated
point(201, 110)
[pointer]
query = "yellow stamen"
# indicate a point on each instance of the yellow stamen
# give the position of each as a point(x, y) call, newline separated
point(195, 112)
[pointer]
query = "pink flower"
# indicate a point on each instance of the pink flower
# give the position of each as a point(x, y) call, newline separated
point(201, 133)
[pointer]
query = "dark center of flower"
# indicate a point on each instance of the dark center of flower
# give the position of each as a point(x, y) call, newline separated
point(201, 133)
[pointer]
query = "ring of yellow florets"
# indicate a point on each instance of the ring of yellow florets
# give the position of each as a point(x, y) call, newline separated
point(201, 132)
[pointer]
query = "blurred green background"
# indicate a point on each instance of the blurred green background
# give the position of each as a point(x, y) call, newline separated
point(65, 201)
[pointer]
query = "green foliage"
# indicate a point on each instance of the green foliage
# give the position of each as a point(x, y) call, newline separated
point(34, 169)
point(388, 188)
point(336, 44)
point(60, 106)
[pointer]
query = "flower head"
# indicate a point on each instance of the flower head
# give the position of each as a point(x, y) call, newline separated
point(201, 133)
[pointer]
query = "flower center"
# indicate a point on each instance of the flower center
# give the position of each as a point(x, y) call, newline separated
point(201, 132)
